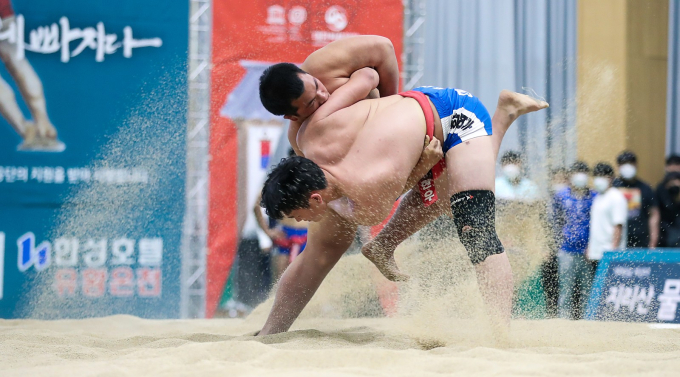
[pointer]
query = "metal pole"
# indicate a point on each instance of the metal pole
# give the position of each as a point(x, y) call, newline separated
point(413, 57)
point(195, 229)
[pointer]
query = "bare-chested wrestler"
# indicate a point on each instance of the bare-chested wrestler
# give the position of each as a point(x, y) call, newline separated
point(363, 157)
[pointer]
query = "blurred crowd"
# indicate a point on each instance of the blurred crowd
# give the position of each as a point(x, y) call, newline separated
point(593, 209)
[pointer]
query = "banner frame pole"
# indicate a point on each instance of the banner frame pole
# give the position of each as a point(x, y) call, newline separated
point(195, 228)
point(413, 55)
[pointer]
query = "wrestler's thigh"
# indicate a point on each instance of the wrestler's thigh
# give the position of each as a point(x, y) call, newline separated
point(471, 165)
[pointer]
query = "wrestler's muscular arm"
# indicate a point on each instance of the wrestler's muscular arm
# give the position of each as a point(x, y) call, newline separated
point(360, 83)
point(337, 61)
point(327, 241)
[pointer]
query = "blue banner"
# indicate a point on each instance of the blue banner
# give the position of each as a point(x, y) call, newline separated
point(93, 101)
point(637, 286)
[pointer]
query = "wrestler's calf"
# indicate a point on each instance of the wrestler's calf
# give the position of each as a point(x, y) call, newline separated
point(474, 213)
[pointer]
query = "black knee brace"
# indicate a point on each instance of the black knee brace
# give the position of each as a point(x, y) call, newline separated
point(474, 213)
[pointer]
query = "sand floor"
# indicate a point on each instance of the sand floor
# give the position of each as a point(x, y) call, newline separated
point(438, 328)
point(129, 346)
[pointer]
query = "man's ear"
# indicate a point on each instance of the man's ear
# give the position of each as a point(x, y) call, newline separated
point(316, 198)
point(293, 118)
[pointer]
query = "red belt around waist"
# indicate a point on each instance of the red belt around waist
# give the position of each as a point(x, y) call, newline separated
point(428, 192)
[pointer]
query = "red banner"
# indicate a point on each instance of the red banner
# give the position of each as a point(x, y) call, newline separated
point(268, 31)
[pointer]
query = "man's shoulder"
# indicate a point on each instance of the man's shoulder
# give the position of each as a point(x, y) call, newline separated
point(645, 187)
point(563, 193)
point(564, 196)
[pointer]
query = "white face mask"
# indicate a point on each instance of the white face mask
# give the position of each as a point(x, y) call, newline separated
point(511, 171)
point(627, 171)
point(579, 180)
point(601, 184)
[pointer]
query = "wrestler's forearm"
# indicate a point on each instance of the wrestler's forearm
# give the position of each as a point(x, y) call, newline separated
point(295, 290)
point(327, 241)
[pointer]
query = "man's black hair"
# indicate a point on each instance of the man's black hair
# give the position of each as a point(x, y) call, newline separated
point(603, 169)
point(289, 186)
point(279, 86)
point(579, 167)
point(673, 159)
point(626, 157)
point(511, 157)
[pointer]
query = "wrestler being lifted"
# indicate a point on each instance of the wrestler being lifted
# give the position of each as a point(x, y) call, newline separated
point(361, 155)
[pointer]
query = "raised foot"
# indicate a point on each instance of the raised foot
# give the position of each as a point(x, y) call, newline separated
point(384, 260)
point(517, 104)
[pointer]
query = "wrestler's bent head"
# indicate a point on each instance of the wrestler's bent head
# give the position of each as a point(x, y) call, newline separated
point(292, 190)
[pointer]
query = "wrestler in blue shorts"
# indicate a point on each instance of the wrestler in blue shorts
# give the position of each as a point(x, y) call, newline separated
point(463, 115)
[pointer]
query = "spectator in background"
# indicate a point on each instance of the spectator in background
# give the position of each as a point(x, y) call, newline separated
point(643, 210)
point(668, 194)
point(571, 211)
point(511, 185)
point(559, 180)
point(288, 236)
point(672, 164)
point(608, 217)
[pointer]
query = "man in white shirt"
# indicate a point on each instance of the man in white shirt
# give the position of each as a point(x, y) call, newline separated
point(608, 216)
point(511, 185)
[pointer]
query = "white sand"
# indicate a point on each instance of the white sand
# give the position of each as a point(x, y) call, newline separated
point(439, 329)
point(129, 346)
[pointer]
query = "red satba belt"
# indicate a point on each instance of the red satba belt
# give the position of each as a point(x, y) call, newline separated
point(289, 242)
point(428, 192)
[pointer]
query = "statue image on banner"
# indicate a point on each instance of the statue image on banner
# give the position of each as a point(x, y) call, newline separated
point(39, 134)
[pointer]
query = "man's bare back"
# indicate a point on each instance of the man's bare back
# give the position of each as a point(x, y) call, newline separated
point(370, 148)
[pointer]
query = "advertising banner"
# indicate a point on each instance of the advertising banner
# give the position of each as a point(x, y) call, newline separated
point(92, 157)
point(247, 37)
point(637, 286)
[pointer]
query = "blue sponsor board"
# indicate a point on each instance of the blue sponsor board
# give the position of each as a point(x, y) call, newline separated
point(93, 101)
point(637, 286)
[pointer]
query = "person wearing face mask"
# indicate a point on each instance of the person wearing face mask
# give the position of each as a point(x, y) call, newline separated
point(571, 216)
point(668, 193)
point(511, 185)
point(559, 180)
point(608, 217)
point(643, 209)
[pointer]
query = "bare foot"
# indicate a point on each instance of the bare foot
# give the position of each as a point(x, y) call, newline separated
point(384, 260)
point(516, 104)
point(47, 130)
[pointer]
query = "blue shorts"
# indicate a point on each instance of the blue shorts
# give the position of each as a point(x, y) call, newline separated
point(293, 236)
point(463, 115)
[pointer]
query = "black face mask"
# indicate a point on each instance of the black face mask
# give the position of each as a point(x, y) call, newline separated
point(674, 191)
